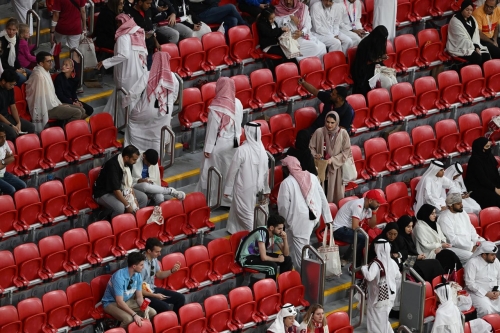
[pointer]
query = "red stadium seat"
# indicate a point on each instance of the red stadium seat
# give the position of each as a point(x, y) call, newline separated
point(214, 44)
point(193, 57)
point(403, 12)
point(448, 137)
point(402, 151)
point(222, 257)
point(146, 327)
point(404, 100)
point(407, 52)
point(14, 166)
point(200, 265)
point(193, 108)
point(192, 318)
point(450, 88)
point(291, 288)
point(30, 154)
point(241, 44)
point(413, 187)
point(103, 240)
point(338, 322)
point(320, 231)
point(8, 273)
point(9, 320)
point(474, 220)
point(361, 112)
point(76, 242)
point(82, 301)
point(55, 146)
point(29, 207)
point(32, 316)
point(244, 307)
point(423, 8)
point(8, 216)
point(264, 89)
point(430, 300)
point(208, 94)
point(377, 157)
point(490, 222)
point(266, 136)
point(425, 143)
point(118, 330)
point(470, 129)
point(283, 131)
point(492, 75)
point(78, 191)
point(267, 297)
point(360, 163)
point(197, 211)
point(442, 5)
point(175, 59)
point(486, 116)
point(430, 46)
point(398, 199)
point(29, 263)
point(312, 71)
point(150, 230)
point(126, 232)
point(427, 95)
point(218, 314)
point(337, 70)
point(474, 83)
point(104, 131)
point(244, 91)
point(304, 118)
point(80, 139)
point(380, 105)
point(54, 200)
point(93, 175)
point(391, 56)
point(278, 178)
point(367, 17)
point(175, 220)
point(494, 321)
point(56, 306)
point(166, 322)
point(287, 76)
point(98, 286)
point(179, 279)
point(54, 255)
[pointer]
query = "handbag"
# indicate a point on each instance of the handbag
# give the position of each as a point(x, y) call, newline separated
point(349, 172)
point(156, 216)
point(290, 46)
point(330, 254)
point(321, 165)
point(88, 50)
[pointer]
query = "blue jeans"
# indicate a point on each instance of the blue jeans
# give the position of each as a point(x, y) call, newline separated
point(21, 78)
point(227, 14)
point(9, 184)
point(346, 235)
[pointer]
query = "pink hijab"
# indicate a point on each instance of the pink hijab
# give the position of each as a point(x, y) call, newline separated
point(138, 37)
point(302, 177)
point(225, 93)
point(160, 81)
point(297, 10)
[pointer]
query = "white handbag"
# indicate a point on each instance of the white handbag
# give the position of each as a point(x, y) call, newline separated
point(349, 172)
point(156, 216)
point(330, 254)
point(88, 50)
point(290, 46)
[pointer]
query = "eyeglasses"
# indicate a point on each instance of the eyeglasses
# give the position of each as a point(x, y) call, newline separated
point(489, 7)
point(130, 284)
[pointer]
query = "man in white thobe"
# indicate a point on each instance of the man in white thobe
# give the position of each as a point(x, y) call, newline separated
point(384, 13)
point(326, 18)
point(459, 231)
point(247, 177)
point(351, 21)
point(448, 316)
point(431, 186)
point(130, 62)
point(21, 8)
point(301, 201)
point(482, 275)
point(383, 269)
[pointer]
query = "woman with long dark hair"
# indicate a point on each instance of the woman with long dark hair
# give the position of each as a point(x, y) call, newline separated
point(105, 27)
point(302, 152)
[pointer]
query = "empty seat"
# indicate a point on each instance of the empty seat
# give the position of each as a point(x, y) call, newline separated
point(407, 52)
point(55, 304)
point(474, 84)
point(208, 94)
point(81, 300)
point(217, 51)
point(29, 263)
point(413, 187)
point(175, 59)
point(197, 211)
point(398, 199)
point(8, 273)
point(244, 307)
point(337, 70)
point(30, 154)
point(98, 286)
point(339, 322)
point(403, 12)
point(287, 76)
point(377, 157)
point(32, 316)
point(80, 140)
point(243, 90)
point(282, 130)
point(241, 44)
point(200, 265)
point(29, 207)
point(266, 137)
point(425, 143)
point(486, 116)
point(404, 100)
point(76, 242)
point(361, 112)
point(474, 220)
point(430, 46)
point(470, 129)
point(490, 222)
point(55, 146)
point(55, 201)
point(304, 118)
point(311, 70)
point(291, 288)
point(450, 88)
point(103, 240)
point(192, 318)
point(448, 137)
point(9, 320)
point(175, 220)
point(427, 95)
point(359, 162)
point(222, 257)
point(146, 327)
point(264, 89)
point(54, 255)
point(179, 279)
point(126, 232)
point(380, 105)
point(193, 56)
point(267, 297)
point(402, 151)
point(8, 217)
point(104, 132)
point(492, 75)
point(193, 108)
point(218, 314)
point(79, 193)
point(167, 322)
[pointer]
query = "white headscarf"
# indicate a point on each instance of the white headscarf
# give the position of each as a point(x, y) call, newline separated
point(448, 316)
point(12, 47)
point(485, 247)
point(258, 156)
point(287, 310)
point(452, 171)
point(431, 172)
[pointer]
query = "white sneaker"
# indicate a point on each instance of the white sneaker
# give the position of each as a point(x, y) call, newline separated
point(178, 194)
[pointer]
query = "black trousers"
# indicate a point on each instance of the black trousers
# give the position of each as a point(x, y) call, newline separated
point(494, 50)
point(269, 268)
point(88, 109)
point(173, 297)
point(476, 58)
point(254, 11)
point(276, 49)
point(11, 134)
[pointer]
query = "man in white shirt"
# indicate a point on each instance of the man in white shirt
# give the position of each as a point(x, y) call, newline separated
point(351, 23)
point(326, 18)
point(9, 183)
point(350, 216)
point(482, 278)
point(456, 226)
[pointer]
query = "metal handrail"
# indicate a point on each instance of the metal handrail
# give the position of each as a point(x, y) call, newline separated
point(321, 281)
point(256, 215)
point(125, 92)
point(33, 13)
point(171, 144)
point(209, 188)
point(404, 328)
point(355, 254)
point(422, 295)
point(82, 62)
point(271, 173)
point(361, 304)
point(90, 29)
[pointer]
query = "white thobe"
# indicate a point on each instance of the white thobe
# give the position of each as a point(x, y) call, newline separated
point(480, 278)
point(292, 206)
point(129, 71)
point(21, 8)
point(384, 13)
point(433, 191)
point(377, 313)
point(241, 181)
point(145, 122)
point(308, 47)
point(427, 240)
point(351, 20)
point(459, 232)
point(220, 146)
point(326, 24)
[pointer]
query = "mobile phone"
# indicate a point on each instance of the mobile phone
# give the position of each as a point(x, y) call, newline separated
point(495, 288)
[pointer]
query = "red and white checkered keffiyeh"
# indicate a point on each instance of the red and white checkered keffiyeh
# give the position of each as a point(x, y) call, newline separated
point(225, 92)
point(128, 26)
point(160, 82)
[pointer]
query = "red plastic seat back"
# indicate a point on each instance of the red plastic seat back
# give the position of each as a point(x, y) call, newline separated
point(8, 213)
point(287, 75)
point(54, 144)
point(53, 253)
point(267, 297)
point(263, 85)
point(29, 151)
point(426, 92)
point(304, 117)
point(192, 54)
point(403, 98)
point(192, 318)
point(28, 205)
point(242, 304)
point(361, 111)
point(338, 322)
point(217, 312)
point(53, 198)
point(470, 127)
point(400, 147)
point(489, 215)
point(193, 106)
point(450, 87)
point(377, 154)
point(492, 74)
point(241, 43)
point(472, 80)
point(32, 315)
point(28, 260)
point(175, 59)
point(336, 68)
point(406, 50)
point(243, 89)
point(9, 319)
point(199, 262)
point(98, 286)
point(125, 230)
point(101, 237)
point(78, 190)
point(413, 189)
point(79, 137)
point(311, 70)
point(430, 44)
point(424, 141)
point(214, 44)
point(103, 130)
point(236, 238)
point(76, 242)
point(81, 299)
point(167, 322)
point(380, 104)
point(55, 304)
point(8, 271)
point(486, 116)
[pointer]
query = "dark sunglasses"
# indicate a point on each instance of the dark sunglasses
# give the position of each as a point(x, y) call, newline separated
point(130, 284)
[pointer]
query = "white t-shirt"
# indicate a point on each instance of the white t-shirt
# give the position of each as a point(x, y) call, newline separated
point(350, 209)
point(3, 152)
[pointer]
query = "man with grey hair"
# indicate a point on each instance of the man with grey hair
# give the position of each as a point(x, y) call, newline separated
point(456, 226)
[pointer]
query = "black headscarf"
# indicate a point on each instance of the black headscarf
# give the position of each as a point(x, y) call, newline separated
point(470, 28)
point(302, 152)
point(479, 153)
point(403, 222)
point(424, 214)
point(383, 235)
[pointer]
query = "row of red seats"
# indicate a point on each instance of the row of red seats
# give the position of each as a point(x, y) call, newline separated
point(60, 147)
